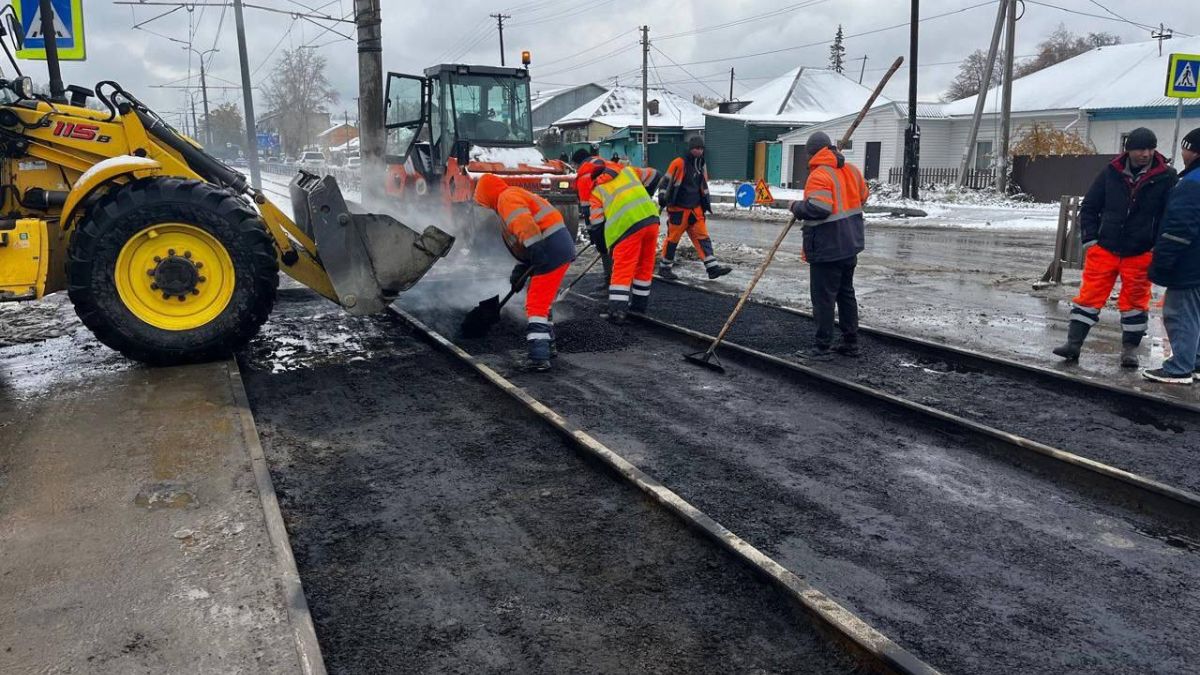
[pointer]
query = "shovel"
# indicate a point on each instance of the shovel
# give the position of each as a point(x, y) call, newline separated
point(487, 313)
point(563, 293)
point(705, 358)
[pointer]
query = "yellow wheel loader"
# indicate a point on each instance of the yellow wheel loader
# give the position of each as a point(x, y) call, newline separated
point(168, 255)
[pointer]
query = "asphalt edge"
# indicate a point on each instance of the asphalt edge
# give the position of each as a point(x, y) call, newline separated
point(304, 632)
point(967, 352)
point(863, 640)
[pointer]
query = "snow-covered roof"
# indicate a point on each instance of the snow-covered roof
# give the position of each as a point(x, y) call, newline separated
point(349, 146)
point(1120, 76)
point(803, 95)
point(541, 98)
point(622, 107)
point(334, 128)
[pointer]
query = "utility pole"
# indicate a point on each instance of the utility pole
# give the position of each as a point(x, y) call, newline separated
point(645, 93)
point(195, 124)
point(1163, 33)
point(912, 135)
point(730, 84)
point(204, 95)
point(247, 98)
point(46, 12)
point(371, 132)
point(862, 72)
point(981, 97)
point(500, 27)
point(1010, 40)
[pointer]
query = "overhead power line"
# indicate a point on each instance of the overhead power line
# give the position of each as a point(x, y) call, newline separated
point(1099, 16)
point(685, 70)
point(749, 19)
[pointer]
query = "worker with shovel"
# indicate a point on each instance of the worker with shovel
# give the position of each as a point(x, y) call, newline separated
point(583, 161)
point(834, 235)
point(535, 233)
point(621, 204)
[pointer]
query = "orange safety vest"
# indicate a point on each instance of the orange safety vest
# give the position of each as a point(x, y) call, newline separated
point(838, 186)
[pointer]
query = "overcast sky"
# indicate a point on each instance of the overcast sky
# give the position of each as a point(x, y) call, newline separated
point(576, 42)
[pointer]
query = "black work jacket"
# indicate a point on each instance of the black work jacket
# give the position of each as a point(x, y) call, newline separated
point(1123, 213)
point(1176, 261)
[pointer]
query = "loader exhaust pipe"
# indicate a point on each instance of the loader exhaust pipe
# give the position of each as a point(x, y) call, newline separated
point(370, 257)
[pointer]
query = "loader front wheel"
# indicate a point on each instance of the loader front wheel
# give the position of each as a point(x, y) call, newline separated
point(169, 271)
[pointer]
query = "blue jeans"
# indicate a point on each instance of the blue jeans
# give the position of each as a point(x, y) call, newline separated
point(1181, 316)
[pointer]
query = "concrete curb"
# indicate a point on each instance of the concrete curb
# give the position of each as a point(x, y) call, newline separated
point(875, 650)
point(308, 649)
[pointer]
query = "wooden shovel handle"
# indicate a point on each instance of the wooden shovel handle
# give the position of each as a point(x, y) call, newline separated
point(749, 289)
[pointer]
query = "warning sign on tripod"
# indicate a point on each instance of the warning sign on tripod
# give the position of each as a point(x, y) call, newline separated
point(762, 193)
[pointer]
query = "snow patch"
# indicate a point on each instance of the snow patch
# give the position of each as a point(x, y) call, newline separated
point(511, 158)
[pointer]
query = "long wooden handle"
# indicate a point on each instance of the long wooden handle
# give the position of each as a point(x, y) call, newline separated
point(753, 282)
point(563, 293)
point(871, 101)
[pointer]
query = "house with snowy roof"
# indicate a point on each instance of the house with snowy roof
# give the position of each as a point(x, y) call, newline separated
point(800, 98)
point(613, 122)
point(1100, 95)
point(550, 104)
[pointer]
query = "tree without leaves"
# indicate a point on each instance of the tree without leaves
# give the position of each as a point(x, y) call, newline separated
point(970, 75)
point(1061, 45)
point(297, 89)
point(837, 52)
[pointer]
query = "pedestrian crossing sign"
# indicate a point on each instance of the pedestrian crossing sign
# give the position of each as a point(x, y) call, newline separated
point(1182, 75)
point(68, 29)
point(762, 193)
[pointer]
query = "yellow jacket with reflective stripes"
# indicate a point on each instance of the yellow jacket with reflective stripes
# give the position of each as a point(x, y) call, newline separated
point(622, 204)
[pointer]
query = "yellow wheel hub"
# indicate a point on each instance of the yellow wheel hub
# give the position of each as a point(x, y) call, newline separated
point(174, 276)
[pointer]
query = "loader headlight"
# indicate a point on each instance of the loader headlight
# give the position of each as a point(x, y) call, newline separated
point(563, 185)
point(22, 87)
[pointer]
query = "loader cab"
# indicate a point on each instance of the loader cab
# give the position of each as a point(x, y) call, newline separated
point(439, 116)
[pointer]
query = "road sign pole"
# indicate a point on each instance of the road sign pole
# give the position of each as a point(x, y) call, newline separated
point(1178, 124)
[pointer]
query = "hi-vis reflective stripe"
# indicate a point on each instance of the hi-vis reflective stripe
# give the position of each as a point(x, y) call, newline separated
point(1178, 240)
point(839, 204)
point(609, 197)
point(641, 291)
point(539, 319)
point(544, 234)
point(834, 218)
point(546, 211)
point(514, 214)
point(538, 336)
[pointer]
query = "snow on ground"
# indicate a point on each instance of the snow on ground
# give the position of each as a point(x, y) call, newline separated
point(729, 188)
point(511, 158)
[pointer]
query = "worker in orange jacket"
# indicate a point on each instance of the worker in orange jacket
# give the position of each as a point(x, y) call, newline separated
point(621, 204)
point(583, 186)
point(834, 235)
point(536, 235)
point(686, 198)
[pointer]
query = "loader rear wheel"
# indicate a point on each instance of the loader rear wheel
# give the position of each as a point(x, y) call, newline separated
point(169, 271)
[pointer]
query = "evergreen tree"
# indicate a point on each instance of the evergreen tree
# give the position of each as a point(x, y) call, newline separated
point(837, 53)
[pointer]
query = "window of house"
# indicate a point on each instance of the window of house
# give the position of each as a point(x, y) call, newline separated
point(983, 155)
point(651, 138)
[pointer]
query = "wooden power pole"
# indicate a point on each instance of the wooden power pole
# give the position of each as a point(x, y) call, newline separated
point(981, 97)
point(645, 93)
point(1010, 38)
point(500, 27)
point(912, 135)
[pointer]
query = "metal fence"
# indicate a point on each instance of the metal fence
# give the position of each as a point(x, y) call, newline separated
point(349, 180)
point(929, 176)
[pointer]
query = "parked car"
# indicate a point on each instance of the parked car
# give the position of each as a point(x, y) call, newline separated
point(312, 160)
point(354, 163)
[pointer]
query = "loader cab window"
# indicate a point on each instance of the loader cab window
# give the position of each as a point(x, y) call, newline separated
point(405, 113)
point(490, 110)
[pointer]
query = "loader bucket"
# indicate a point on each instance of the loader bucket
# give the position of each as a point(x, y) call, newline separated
point(370, 257)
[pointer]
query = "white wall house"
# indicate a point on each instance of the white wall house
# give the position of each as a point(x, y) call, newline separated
point(1101, 94)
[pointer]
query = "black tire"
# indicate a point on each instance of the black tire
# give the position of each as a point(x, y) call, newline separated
point(128, 210)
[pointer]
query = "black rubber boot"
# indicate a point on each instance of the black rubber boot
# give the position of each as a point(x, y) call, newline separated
point(1129, 357)
point(1076, 333)
point(665, 272)
point(718, 271)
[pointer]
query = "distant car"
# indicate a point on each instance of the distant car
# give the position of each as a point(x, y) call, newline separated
point(354, 162)
point(312, 160)
point(239, 162)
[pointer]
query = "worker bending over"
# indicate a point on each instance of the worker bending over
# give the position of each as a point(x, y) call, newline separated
point(621, 204)
point(834, 235)
point(536, 235)
point(685, 196)
point(583, 185)
point(1119, 221)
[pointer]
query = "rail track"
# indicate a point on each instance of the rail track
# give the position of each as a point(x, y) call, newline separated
point(1139, 437)
point(930, 528)
point(439, 526)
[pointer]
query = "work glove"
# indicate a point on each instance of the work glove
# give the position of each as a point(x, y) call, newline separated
point(517, 279)
point(662, 200)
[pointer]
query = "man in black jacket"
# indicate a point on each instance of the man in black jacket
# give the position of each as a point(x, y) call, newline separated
point(1176, 265)
point(1119, 220)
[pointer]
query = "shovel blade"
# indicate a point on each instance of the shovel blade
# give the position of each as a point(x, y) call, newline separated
point(479, 320)
point(703, 359)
